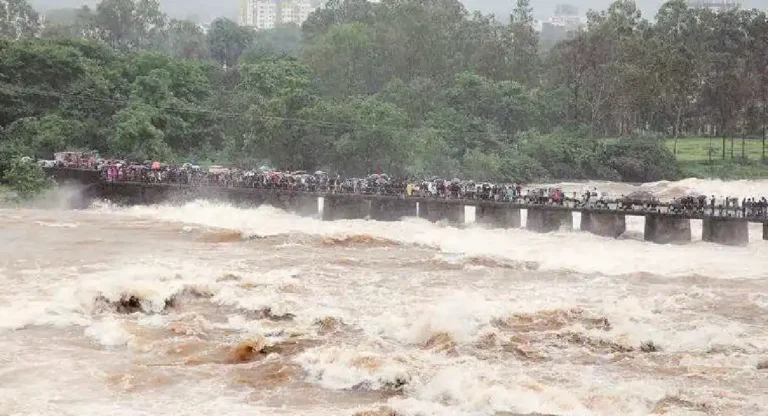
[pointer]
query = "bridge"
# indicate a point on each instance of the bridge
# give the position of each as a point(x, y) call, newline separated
point(661, 224)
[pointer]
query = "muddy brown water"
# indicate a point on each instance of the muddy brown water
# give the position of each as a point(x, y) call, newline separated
point(209, 309)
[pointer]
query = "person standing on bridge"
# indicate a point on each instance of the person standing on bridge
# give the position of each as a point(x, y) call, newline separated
point(744, 207)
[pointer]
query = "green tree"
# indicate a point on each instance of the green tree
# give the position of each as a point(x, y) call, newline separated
point(227, 41)
point(18, 19)
point(25, 177)
point(130, 25)
point(186, 40)
point(524, 44)
point(674, 62)
point(342, 59)
point(136, 136)
point(280, 42)
point(43, 137)
point(641, 159)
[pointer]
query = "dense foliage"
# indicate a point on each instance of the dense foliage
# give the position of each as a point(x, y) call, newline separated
point(410, 87)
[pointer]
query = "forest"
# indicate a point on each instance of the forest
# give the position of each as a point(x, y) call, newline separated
point(409, 87)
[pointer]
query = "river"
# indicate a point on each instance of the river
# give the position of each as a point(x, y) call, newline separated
point(210, 309)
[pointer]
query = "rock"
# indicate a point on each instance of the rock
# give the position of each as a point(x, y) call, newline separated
point(247, 351)
point(268, 314)
point(127, 304)
point(594, 343)
point(649, 346)
point(381, 412)
point(442, 342)
point(763, 365)
point(229, 277)
point(489, 340)
point(520, 414)
point(328, 324)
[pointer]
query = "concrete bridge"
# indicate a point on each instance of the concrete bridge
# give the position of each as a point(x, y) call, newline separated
point(661, 226)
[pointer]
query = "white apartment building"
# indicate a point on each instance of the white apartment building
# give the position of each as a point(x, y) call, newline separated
point(716, 5)
point(295, 11)
point(267, 14)
point(260, 14)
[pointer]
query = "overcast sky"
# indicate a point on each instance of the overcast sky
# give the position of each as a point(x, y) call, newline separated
point(207, 10)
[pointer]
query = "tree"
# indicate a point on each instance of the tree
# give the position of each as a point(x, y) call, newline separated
point(227, 41)
point(724, 92)
point(136, 136)
point(343, 60)
point(25, 177)
point(130, 25)
point(675, 63)
point(186, 40)
point(70, 24)
point(18, 19)
point(280, 42)
point(758, 68)
point(41, 138)
point(524, 44)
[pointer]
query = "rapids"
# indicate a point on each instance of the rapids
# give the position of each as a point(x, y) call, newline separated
point(210, 309)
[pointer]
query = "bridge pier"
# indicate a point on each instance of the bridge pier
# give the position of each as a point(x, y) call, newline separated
point(279, 200)
point(667, 230)
point(547, 221)
point(150, 195)
point(605, 224)
point(726, 231)
point(342, 208)
point(392, 209)
point(498, 216)
point(765, 231)
point(304, 205)
point(437, 210)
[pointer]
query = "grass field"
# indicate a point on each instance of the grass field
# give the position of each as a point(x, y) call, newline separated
point(694, 157)
point(697, 148)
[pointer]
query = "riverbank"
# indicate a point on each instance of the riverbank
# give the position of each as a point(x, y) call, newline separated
point(724, 169)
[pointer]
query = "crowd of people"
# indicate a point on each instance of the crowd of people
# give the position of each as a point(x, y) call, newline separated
point(320, 182)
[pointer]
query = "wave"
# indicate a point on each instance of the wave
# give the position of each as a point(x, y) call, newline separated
point(225, 236)
point(475, 387)
point(56, 224)
point(341, 368)
point(379, 412)
point(747, 188)
point(357, 240)
point(576, 251)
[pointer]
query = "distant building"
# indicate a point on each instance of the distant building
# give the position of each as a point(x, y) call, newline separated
point(295, 12)
point(267, 14)
point(716, 5)
point(558, 28)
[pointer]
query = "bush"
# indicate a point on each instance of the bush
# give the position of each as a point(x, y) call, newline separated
point(25, 177)
point(641, 159)
point(566, 155)
point(522, 168)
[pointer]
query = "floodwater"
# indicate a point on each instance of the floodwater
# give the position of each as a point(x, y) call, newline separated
point(210, 309)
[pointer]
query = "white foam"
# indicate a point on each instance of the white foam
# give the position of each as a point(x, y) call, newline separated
point(108, 332)
point(477, 388)
point(56, 224)
point(556, 251)
point(346, 368)
point(460, 315)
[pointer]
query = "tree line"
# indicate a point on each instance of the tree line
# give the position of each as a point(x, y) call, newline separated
point(408, 87)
